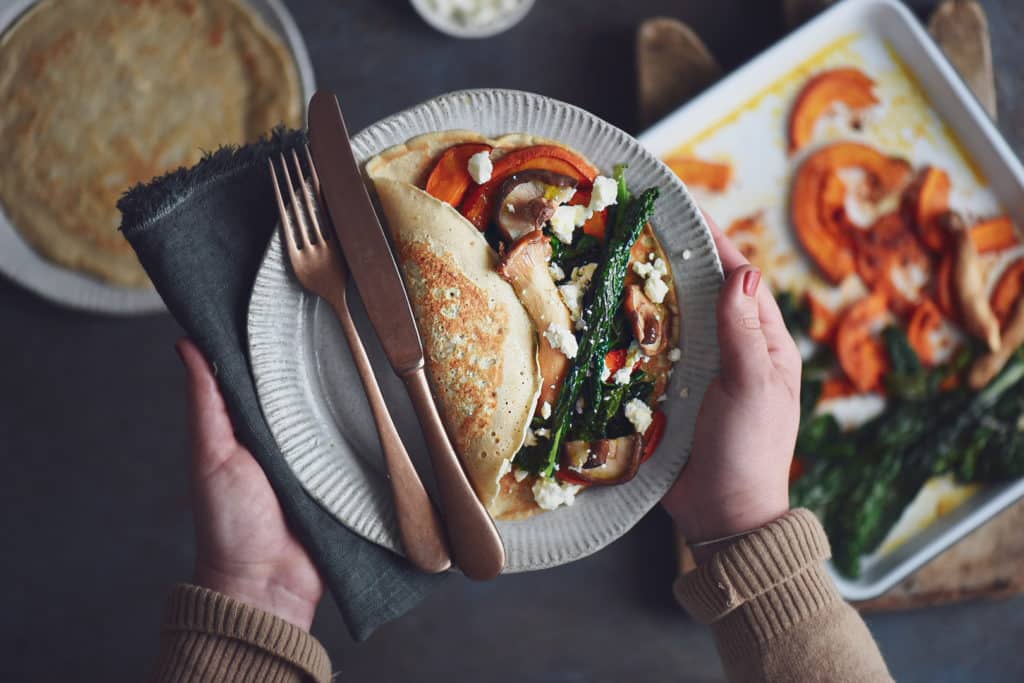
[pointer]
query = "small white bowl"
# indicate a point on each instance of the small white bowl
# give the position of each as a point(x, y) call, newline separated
point(445, 24)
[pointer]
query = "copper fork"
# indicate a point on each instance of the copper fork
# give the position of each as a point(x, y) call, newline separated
point(320, 267)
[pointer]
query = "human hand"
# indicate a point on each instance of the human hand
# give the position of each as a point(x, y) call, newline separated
point(244, 547)
point(737, 478)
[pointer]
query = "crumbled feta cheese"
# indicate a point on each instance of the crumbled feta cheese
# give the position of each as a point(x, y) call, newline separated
point(674, 355)
point(559, 195)
point(504, 468)
point(550, 494)
point(480, 167)
point(604, 193)
point(557, 274)
point(622, 375)
point(639, 413)
point(542, 433)
point(564, 221)
point(655, 289)
point(605, 372)
point(520, 474)
point(582, 275)
point(562, 340)
point(572, 295)
point(545, 410)
point(531, 438)
point(648, 270)
point(634, 355)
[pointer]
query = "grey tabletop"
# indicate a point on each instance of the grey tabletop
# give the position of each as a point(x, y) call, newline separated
point(93, 500)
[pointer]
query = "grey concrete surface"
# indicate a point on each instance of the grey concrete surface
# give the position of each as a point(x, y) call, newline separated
point(94, 516)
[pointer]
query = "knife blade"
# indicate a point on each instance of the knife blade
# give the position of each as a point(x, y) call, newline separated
point(361, 236)
point(474, 541)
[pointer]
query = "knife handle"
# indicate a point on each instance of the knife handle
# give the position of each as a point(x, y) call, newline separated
point(476, 546)
point(419, 525)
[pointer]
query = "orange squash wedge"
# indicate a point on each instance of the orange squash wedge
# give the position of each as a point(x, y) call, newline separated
point(859, 350)
point(695, 172)
point(925, 201)
point(924, 321)
point(847, 85)
point(823, 321)
point(747, 225)
point(476, 205)
point(1008, 291)
point(994, 234)
point(449, 179)
point(817, 203)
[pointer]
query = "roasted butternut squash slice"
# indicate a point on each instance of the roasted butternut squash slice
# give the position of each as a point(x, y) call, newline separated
point(994, 234)
point(925, 202)
point(818, 201)
point(847, 85)
point(860, 351)
point(695, 172)
point(1008, 291)
point(924, 322)
point(890, 257)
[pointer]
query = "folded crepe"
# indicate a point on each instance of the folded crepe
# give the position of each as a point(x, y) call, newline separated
point(481, 345)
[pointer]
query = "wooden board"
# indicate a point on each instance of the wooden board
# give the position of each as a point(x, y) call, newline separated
point(990, 562)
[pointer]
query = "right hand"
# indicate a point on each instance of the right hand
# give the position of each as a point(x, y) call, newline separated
point(737, 478)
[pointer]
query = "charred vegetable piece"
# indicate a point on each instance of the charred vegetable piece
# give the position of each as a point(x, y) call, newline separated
point(645, 319)
point(525, 267)
point(450, 177)
point(606, 462)
point(524, 203)
point(847, 85)
point(607, 293)
point(969, 282)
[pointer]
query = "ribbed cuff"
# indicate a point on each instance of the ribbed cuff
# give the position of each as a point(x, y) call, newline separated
point(786, 554)
point(207, 636)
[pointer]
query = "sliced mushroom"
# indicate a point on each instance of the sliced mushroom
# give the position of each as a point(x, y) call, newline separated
point(605, 462)
point(525, 267)
point(969, 283)
point(646, 320)
point(989, 365)
point(522, 202)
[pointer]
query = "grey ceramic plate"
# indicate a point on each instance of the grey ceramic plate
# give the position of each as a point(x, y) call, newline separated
point(22, 264)
point(313, 401)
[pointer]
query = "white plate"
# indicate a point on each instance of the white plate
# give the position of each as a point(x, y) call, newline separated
point(22, 264)
point(759, 151)
point(311, 395)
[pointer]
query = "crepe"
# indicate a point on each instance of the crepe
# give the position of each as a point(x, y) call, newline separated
point(481, 352)
point(415, 217)
point(99, 95)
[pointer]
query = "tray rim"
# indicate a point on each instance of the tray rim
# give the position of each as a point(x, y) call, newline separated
point(957, 106)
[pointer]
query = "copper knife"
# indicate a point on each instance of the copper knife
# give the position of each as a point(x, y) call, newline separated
point(472, 536)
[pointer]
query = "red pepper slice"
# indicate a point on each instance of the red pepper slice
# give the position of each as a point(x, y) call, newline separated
point(652, 437)
point(450, 178)
point(476, 205)
point(567, 476)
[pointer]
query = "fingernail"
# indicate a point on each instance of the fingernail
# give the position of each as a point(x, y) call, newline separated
point(751, 279)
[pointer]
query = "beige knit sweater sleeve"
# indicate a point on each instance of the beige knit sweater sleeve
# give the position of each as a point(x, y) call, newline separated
point(776, 614)
point(209, 637)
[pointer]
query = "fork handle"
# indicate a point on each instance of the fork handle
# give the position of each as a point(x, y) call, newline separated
point(419, 525)
point(475, 543)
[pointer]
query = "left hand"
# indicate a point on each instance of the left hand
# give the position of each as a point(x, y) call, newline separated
point(244, 547)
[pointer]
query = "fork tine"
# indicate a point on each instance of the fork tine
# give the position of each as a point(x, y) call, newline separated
point(325, 229)
point(303, 233)
point(286, 224)
point(307, 196)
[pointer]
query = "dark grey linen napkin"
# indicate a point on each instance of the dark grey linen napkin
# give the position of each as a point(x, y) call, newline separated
point(201, 233)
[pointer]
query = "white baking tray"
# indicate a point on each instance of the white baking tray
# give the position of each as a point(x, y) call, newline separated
point(977, 139)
